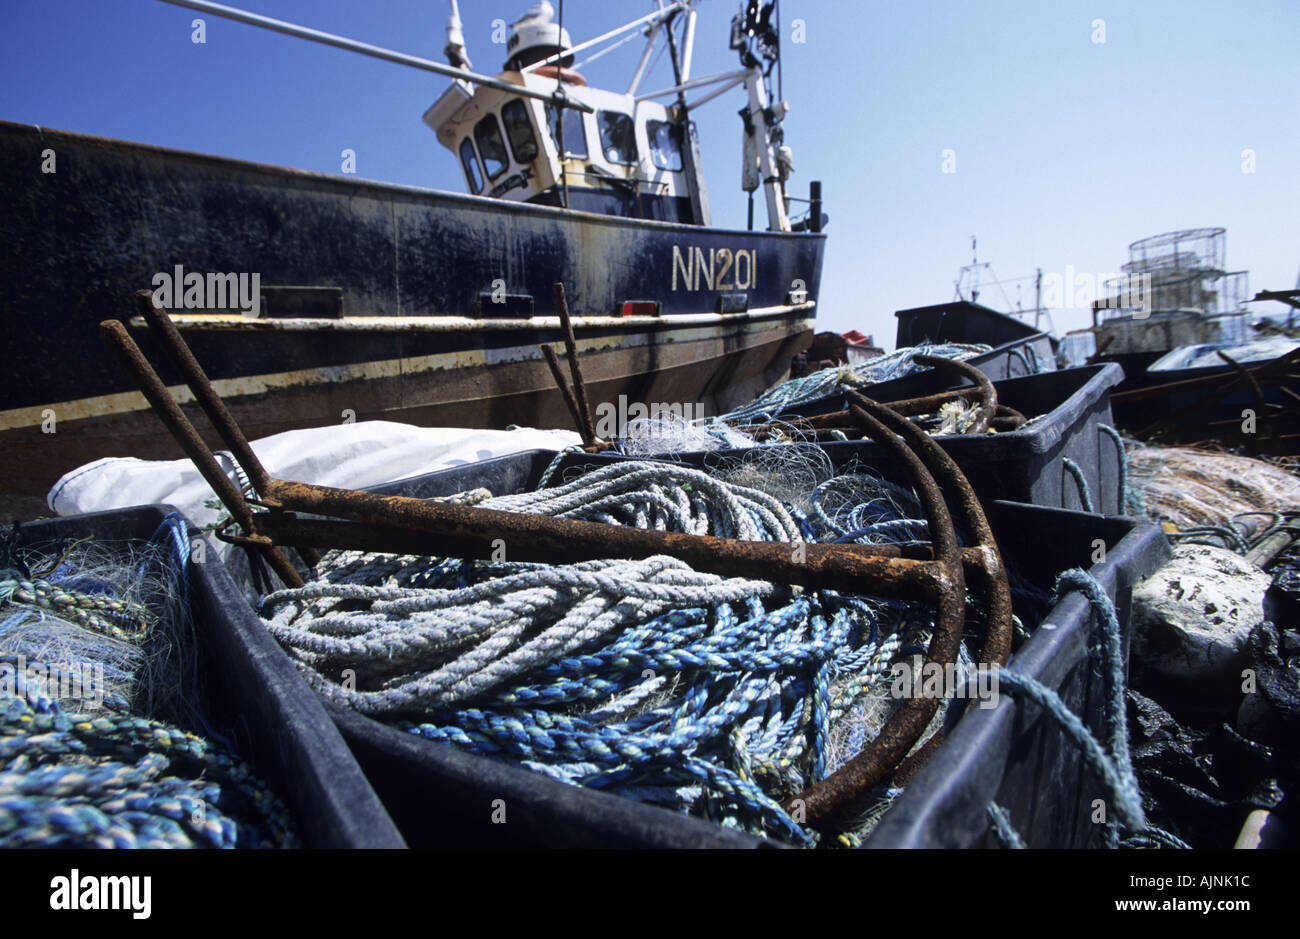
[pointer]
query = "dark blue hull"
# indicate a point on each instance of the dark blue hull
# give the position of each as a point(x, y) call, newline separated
point(400, 265)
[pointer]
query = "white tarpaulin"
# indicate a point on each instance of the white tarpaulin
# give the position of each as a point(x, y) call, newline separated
point(349, 456)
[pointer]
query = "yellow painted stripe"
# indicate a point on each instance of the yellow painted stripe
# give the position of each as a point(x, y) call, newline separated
point(121, 402)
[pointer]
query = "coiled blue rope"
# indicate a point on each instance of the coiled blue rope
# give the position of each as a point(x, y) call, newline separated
point(114, 779)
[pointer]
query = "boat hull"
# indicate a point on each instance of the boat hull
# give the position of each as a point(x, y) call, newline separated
point(436, 302)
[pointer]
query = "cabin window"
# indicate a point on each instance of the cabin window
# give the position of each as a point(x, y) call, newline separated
point(617, 136)
point(519, 130)
point(665, 144)
point(487, 134)
point(470, 162)
point(575, 137)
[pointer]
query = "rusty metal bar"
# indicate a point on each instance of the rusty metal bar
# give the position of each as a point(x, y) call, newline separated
point(280, 527)
point(173, 418)
point(880, 757)
point(554, 363)
point(874, 764)
point(164, 330)
point(908, 407)
point(447, 529)
point(988, 395)
point(571, 347)
point(374, 522)
point(997, 590)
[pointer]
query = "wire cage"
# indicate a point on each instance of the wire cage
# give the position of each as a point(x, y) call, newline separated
point(1192, 249)
point(1176, 271)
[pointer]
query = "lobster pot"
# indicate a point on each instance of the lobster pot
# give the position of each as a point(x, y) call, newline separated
point(249, 693)
point(442, 796)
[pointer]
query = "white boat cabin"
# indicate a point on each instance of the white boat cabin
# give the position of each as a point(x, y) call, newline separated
point(617, 156)
point(623, 158)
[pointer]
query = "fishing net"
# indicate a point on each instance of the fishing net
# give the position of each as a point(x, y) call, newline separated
point(98, 678)
point(1191, 488)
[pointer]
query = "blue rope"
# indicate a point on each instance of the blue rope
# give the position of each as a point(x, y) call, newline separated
point(1085, 494)
point(830, 381)
point(555, 464)
point(1111, 764)
point(1122, 456)
point(173, 532)
point(1002, 828)
point(113, 778)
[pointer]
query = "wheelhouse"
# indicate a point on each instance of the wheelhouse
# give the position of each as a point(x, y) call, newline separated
point(536, 132)
point(620, 157)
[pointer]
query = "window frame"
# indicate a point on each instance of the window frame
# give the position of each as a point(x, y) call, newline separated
point(525, 120)
point(631, 136)
point(553, 126)
point(678, 138)
point(478, 144)
point(473, 169)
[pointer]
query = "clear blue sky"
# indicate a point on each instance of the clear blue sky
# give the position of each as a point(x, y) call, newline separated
point(1066, 149)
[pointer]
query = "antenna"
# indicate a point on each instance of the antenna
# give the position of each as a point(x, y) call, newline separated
point(971, 270)
point(455, 50)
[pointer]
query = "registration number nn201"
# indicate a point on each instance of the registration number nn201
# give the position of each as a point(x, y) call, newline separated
point(719, 269)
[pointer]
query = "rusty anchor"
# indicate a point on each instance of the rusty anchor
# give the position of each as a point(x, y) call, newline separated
point(373, 522)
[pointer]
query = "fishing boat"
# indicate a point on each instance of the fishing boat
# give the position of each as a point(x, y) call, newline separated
point(314, 298)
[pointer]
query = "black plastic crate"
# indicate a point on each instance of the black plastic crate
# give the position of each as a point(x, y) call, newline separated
point(251, 694)
point(1012, 753)
point(1019, 349)
point(441, 796)
point(1025, 465)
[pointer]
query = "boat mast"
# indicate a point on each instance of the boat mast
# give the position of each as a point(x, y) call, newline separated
point(455, 50)
point(759, 45)
point(752, 34)
point(364, 48)
point(690, 140)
